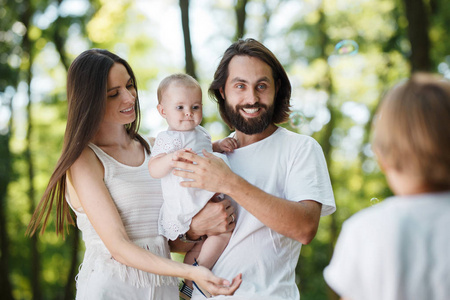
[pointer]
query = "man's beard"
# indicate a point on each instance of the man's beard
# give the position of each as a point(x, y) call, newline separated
point(250, 125)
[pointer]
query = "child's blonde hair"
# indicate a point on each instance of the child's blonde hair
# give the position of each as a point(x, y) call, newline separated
point(412, 130)
point(178, 78)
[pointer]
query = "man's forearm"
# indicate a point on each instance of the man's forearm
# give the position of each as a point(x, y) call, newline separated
point(297, 220)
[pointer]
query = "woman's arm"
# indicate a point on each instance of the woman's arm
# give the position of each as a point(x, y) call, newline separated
point(86, 176)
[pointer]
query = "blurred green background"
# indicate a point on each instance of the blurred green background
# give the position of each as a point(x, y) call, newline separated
point(335, 93)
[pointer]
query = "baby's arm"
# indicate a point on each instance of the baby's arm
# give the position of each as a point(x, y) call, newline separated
point(160, 165)
point(227, 144)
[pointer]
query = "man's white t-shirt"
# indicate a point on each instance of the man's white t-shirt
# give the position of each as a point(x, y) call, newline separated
point(397, 249)
point(290, 166)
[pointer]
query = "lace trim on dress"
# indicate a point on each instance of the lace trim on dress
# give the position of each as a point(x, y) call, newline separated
point(165, 143)
point(172, 228)
point(97, 258)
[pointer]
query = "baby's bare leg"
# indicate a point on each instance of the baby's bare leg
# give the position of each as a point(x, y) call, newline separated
point(207, 252)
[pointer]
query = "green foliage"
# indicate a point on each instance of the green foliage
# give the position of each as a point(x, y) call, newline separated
point(337, 94)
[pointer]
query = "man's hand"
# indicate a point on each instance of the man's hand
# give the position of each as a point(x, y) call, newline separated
point(213, 219)
point(208, 173)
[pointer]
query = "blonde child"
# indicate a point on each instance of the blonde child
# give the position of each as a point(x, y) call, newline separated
point(180, 103)
point(399, 249)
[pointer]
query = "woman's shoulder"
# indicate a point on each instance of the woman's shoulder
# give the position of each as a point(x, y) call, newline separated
point(87, 160)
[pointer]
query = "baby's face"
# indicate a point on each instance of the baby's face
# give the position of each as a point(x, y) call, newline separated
point(181, 106)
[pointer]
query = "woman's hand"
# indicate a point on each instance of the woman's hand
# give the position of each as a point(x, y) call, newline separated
point(205, 279)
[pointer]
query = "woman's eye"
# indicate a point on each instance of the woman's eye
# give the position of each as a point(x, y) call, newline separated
point(114, 95)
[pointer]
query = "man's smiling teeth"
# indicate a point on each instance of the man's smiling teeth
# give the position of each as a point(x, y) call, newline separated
point(250, 110)
point(128, 109)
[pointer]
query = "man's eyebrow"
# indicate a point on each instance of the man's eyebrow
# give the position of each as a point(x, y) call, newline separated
point(265, 78)
point(116, 87)
point(238, 79)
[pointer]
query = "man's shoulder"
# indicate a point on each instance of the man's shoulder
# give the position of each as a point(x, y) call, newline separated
point(293, 137)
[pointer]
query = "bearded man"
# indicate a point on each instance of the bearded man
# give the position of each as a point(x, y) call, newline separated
point(278, 181)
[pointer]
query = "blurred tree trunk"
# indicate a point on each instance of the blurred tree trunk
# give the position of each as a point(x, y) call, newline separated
point(5, 175)
point(268, 12)
point(190, 65)
point(8, 77)
point(28, 52)
point(418, 26)
point(240, 18)
point(59, 37)
point(327, 85)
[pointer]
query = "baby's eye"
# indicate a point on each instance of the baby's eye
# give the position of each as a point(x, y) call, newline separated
point(196, 107)
point(179, 107)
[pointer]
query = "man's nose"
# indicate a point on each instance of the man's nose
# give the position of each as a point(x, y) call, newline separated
point(252, 97)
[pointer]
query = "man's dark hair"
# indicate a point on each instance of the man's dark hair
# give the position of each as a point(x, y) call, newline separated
point(253, 48)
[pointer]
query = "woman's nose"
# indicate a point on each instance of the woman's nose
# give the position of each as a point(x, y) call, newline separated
point(130, 95)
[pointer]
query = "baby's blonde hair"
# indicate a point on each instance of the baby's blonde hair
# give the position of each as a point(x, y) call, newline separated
point(412, 130)
point(178, 78)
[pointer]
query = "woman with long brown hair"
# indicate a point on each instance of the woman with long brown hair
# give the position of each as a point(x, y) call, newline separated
point(102, 176)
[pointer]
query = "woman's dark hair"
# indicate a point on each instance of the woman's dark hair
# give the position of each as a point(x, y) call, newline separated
point(253, 48)
point(87, 80)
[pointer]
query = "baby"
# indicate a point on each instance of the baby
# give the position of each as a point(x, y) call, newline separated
point(180, 103)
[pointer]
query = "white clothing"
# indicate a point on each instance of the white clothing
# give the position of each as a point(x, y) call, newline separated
point(180, 203)
point(397, 249)
point(290, 166)
point(138, 199)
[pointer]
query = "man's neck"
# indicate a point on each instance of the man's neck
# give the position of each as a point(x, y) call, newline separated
point(248, 139)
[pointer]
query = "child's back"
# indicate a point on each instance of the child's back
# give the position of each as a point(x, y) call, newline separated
point(400, 248)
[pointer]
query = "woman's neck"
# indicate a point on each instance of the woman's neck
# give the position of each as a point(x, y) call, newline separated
point(112, 135)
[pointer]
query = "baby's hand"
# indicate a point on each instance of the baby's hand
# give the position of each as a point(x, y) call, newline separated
point(227, 144)
point(175, 156)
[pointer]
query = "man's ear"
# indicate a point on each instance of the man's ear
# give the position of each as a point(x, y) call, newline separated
point(161, 110)
point(222, 93)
